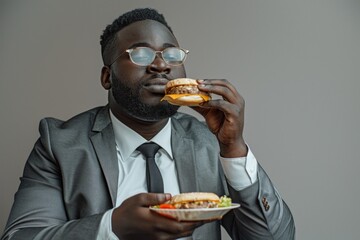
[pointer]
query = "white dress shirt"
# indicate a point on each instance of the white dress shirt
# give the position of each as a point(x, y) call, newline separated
point(240, 172)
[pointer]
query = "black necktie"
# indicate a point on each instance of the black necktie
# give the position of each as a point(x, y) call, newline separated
point(153, 175)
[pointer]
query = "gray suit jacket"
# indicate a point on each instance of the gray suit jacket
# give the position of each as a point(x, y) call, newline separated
point(70, 180)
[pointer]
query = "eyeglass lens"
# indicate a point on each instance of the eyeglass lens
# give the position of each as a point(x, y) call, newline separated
point(144, 56)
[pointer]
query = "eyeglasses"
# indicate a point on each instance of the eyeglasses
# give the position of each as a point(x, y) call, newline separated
point(144, 56)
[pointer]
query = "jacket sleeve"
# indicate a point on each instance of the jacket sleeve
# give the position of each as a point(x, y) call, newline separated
point(262, 214)
point(39, 211)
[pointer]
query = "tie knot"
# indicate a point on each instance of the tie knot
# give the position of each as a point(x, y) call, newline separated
point(149, 149)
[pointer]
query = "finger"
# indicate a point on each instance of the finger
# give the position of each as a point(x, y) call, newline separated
point(192, 227)
point(229, 109)
point(181, 229)
point(220, 87)
point(220, 82)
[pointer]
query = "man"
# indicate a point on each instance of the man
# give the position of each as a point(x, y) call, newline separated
point(85, 178)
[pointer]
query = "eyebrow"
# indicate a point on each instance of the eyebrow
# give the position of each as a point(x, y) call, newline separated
point(144, 44)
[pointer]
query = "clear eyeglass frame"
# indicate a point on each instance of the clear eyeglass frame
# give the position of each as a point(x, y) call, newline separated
point(144, 56)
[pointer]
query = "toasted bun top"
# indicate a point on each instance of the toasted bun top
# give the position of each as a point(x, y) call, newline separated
point(194, 196)
point(181, 81)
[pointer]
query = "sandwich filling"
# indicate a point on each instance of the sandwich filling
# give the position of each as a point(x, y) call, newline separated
point(196, 204)
point(195, 200)
point(183, 89)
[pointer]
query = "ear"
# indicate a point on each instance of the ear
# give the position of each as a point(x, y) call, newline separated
point(105, 77)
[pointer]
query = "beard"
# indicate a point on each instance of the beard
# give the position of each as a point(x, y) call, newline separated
point(129, 100)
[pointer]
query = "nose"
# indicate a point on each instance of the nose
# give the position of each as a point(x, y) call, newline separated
point(158, 66)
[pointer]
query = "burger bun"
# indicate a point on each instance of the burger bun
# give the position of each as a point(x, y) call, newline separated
point(194, 196)
point(184, 92)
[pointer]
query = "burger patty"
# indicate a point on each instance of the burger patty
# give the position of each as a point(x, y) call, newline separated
point(184, 89)
point(198, 204)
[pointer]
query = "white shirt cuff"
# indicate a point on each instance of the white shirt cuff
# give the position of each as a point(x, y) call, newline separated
point(240, 172)
point(105, 229)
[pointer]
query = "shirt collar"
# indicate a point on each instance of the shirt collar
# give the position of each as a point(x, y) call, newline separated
point(127, 140)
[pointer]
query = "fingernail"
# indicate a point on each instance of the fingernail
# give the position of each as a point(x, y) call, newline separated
point(167, 196)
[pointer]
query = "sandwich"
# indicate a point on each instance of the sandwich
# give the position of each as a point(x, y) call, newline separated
point(196, 200)
point(184, 92)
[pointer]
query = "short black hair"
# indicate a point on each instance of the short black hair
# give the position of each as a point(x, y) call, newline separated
point(107, 39)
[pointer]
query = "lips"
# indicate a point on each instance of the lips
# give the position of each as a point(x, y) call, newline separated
point(156, 84)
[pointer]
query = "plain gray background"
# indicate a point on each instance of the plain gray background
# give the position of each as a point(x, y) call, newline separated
point(297, 64)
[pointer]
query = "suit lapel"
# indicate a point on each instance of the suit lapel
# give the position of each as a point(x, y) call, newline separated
point(104, 144)
point(184, 157)
point(103, 141)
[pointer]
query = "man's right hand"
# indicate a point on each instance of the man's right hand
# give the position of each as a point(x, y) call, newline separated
point(134, 220)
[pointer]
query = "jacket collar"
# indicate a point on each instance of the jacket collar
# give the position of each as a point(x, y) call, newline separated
point(184, 156)
point(103, 142)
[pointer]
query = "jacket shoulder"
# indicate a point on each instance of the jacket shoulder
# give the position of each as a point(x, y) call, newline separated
point(79, 121)
point(72, 131)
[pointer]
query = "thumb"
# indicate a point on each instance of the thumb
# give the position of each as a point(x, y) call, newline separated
point(150, 199)
point(202, 109)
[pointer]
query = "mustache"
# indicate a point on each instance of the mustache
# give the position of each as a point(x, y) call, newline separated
point(159, 75)
point(156, 79)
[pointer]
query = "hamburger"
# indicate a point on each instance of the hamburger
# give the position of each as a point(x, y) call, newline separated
point(184, 92)
point(196, 200)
